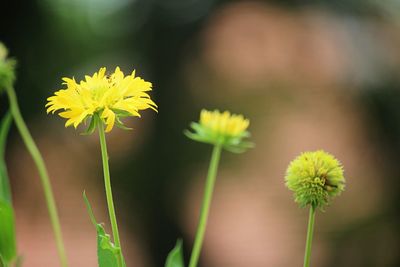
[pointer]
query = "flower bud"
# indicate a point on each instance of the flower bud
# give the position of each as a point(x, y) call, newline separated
point(224, 129)
point(7, 67)
point(315, 178)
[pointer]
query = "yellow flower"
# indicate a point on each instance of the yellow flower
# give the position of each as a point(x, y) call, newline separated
point(111, 97)
point(223, 123)
point(225, 129)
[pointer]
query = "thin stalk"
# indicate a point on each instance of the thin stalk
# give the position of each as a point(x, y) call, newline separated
point(44, 177)
point(310, 231)
point(107, 184)
point(208, 191)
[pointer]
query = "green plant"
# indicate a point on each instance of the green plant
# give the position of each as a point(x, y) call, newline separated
point(315, 178)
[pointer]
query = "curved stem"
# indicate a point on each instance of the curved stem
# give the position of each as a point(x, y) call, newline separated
point(107, 184)
point(44, 177)
point(310, 231)
point(209, 188)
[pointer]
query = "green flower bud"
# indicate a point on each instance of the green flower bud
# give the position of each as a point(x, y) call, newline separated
point(7, 67)
point(315, 178)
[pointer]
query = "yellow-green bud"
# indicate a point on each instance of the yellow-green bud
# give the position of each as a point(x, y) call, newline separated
point(7, 67)
point(221, 128)
point(315, 178)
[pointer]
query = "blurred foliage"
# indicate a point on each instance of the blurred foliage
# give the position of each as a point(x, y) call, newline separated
point(8, 247)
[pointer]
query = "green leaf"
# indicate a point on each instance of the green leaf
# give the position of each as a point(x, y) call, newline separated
point(8, 248)
point(120, 124)
point(192, 136)
point(238, 148)
point(108, 254)
point(2, 263)
point(92, 126)
point(122, 113)
point(175, 257)
point(198, 128)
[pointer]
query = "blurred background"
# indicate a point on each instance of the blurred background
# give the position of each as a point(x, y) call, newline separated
point(309, 74)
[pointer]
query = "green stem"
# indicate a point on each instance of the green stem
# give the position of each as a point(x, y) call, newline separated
point(208, 191)
point(310, 231)
point(44, 177)
point(107, 184)
point(5, 189)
